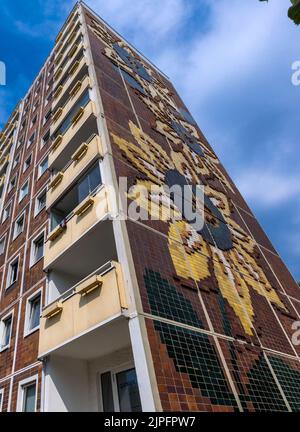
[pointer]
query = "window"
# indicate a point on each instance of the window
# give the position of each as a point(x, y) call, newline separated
point(12, 183)
point(27, 395)
point(40, 202)
point(31, 140)
point(48, 98)
point(33, 312)
point(45, 138)
point(47, 116)
point(27, 163)
point(120, 391)
point(1, 399)
point(37, 249)
point(19, 225)
point(6, 325)
point(6, 212)
point(33, 121)
point(12, 274)
point(16, 160)
point(23, 124)
point(89, 183)
point(81, 103)
point(43, 166)
point(2, 244)
point(23, 191)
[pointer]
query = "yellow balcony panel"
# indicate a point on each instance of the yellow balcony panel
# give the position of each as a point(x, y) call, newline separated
point(66, 47)
point(61, 35)
point(56, 142)
point(84, 156)
point(61, 90)
point(82, 311)
point(92, 283)
point(61, 112)
point(56, 180)
point(10, 128)
point(57, 92)
point(57, 74)
point(52, 310)
point(4, 162)
point(2, 180)
point(58, 37)
point(56, 233)
point(61, 70)
point(58, 59)
point(88, 113)
point(57, 115)
point(77, 226)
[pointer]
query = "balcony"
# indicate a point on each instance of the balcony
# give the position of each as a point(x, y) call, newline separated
point(74, 233)
point(63, 54)
point(72, 55)
point(94, 301)
point(66, 46)
point(62, 34)
point(83, 157)
point(2, 181)
point(4, 163)
point(76, 73)
point(75, 94)
point(82, 126)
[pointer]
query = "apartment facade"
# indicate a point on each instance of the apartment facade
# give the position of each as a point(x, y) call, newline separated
point(104, 311)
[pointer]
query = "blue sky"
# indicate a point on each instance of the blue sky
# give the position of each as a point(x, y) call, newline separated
point(231, 62)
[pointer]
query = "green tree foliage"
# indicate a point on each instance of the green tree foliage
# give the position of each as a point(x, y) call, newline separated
point(294, 11)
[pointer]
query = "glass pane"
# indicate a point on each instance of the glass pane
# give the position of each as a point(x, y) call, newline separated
point(83, 189)
point(41, 202)
point(39, 249)
point(89, 183)
point(107, 394)
point(35, 313)
point(7, 331)
point(29, 398)
point(83, 101)
point(94, 178)
point(129, 397)
point(14, 272)
point(56, 219)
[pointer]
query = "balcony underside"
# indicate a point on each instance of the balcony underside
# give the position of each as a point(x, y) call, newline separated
point(105, 339)
point(93, 249)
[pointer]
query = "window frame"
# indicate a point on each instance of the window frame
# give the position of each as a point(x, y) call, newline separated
point(16, 160)
point(10, 315)
point(30, 299)
point(8, 276)
point(43, 142)
point(10, 187)
point(31, 139)
point(9, 204)
point(32, 247)
point(36, 210)
point(113, 372)
point(21, 387)
point(3, 238)
point(1, 398)
point(22, 214)
point(40, 172)
point(25, 168)
point(47, 116)
point(24, 196)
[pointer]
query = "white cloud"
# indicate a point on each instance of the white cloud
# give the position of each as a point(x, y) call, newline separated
point(145, 22)
point(266, 188)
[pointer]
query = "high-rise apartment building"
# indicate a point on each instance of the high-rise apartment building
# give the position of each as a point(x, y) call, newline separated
point(99, 312)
